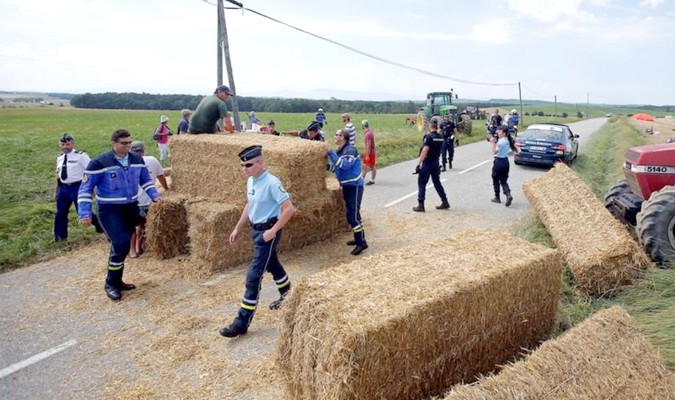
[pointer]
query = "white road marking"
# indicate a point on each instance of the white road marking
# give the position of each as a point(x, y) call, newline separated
point(36, 358)
point(429, 186)
point(475, 166)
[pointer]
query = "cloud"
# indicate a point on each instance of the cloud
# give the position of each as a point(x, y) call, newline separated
point(651, 3)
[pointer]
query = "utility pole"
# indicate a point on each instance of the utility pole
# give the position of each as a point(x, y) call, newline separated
point(522, 116)
point(219, 65)
point(228, 61)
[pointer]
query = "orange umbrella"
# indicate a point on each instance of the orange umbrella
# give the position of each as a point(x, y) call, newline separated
point(643, 117)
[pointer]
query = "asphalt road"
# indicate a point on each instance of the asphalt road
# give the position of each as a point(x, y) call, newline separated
point(58, 330)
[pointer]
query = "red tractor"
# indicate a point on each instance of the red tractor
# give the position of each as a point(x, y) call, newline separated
point(645, 200)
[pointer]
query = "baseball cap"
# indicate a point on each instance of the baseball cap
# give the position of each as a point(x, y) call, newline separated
point(137, 146)
point(223, 88)
point(66, 137)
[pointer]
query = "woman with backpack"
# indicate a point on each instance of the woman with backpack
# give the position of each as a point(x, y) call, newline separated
point(162, 133)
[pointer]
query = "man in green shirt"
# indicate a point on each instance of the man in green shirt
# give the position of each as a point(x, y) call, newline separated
point(210, 110)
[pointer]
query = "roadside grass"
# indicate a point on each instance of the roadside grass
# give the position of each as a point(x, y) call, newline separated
point(651, 302)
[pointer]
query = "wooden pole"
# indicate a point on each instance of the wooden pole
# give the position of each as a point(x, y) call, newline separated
point(228, 64)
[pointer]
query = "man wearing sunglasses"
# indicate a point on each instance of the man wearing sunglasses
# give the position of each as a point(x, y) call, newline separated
point(115, 177)
point(267, 211)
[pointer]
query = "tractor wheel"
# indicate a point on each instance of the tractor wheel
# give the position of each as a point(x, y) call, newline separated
point(656, 226)
point(618, 189)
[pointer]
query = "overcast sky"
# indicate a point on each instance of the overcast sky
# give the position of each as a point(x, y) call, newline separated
point(605, 51)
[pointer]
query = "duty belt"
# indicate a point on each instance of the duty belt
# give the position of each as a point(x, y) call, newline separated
point(71, 184)
point(264, 225)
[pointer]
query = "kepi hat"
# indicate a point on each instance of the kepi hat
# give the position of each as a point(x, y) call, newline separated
point(250, 152)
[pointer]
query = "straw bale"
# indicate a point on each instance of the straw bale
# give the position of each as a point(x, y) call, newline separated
point(211, 223)
point(605, 357)
point(210, 227)
point(411, 322)
point(600, 252)
point(166, 228)
point(208, 166)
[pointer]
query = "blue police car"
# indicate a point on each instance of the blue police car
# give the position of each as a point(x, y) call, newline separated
point(546, 144)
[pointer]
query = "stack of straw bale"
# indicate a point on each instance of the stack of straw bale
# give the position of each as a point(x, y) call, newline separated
point(600, 252)
point(166, 226)
point(208, 166)
point(412, 322)
point(605, 357)
point(211, 224)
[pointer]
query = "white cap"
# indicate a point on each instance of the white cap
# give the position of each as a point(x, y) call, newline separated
point(163, 119)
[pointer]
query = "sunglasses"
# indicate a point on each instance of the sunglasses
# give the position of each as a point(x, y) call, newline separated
point(124, 142)
point(248, 165)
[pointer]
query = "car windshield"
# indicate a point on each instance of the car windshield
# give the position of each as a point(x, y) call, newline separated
point(543, 134)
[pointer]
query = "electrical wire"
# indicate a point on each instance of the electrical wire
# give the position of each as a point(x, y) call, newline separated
point(363, 53)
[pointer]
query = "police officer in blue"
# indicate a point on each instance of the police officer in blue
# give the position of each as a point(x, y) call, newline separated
point(267, 211)
point(70, 166)
point(115, 177)
point(346, 163)
point(427, 166)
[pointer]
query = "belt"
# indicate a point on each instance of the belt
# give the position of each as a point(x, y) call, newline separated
point(264, 225)
point(71, 184)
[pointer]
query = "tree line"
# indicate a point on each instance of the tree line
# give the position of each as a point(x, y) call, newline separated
point(147, 101)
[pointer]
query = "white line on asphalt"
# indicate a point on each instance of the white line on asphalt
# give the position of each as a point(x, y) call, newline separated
point(429, 186)
point(475, 166)
point(36, 358)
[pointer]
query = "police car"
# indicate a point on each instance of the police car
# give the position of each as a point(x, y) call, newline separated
point(546, 144)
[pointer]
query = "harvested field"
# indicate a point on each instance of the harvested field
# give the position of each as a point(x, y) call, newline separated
point(412, 322)
point(601, 254)
point(605, 357)
point(208, 166)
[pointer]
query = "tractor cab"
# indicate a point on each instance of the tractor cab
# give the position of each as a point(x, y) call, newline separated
point(440, 104)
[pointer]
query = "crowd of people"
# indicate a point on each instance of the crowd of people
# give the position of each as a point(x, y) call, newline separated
point(122, 184)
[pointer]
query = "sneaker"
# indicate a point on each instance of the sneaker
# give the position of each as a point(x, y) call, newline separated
point(231, 331)
point(496, 200)
point(509, 200)
point(370, 183)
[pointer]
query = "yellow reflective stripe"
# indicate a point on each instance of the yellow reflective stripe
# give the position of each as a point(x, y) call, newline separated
point(359, 229)
point(280, 285)
point(247, 307)
point(115, 267)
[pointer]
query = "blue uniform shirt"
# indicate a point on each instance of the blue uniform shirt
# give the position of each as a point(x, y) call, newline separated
point(265, 195)
point(502, 148)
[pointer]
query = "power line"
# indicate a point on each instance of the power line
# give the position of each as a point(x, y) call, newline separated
point(363, 53)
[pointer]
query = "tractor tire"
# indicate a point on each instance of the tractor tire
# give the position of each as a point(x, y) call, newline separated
point(618, 189)
point(656, 227)
point(464, 126)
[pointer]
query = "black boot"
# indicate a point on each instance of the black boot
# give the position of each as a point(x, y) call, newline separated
point(444, 205)
point(443, 168)
point(420, 207)
point(232, 330)
point(496, 200)
point(450, 165)
point(509, 200)
point(276, 304)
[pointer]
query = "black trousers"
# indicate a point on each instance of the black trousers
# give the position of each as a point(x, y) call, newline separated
point(500, 175)
point(432, 171)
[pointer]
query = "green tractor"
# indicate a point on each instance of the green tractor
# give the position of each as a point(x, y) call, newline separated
point(438, 105)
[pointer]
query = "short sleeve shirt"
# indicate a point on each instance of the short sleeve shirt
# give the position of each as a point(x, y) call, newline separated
point(503, 148)
point(77, 163)
point(207, 114)
point(265, 195)
point(155, 169)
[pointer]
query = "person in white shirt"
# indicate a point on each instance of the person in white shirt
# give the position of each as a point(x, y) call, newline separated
point(156, 173)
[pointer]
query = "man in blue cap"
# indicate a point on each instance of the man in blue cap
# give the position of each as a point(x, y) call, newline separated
point(210, 110)
point(267, 211)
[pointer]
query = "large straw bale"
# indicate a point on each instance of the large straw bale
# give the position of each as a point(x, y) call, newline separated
point(210, 227)
point(211, 223)
point(166, 228)
point(410, 323)
point(600, 252)
point(605, 357)
point(208, 166)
